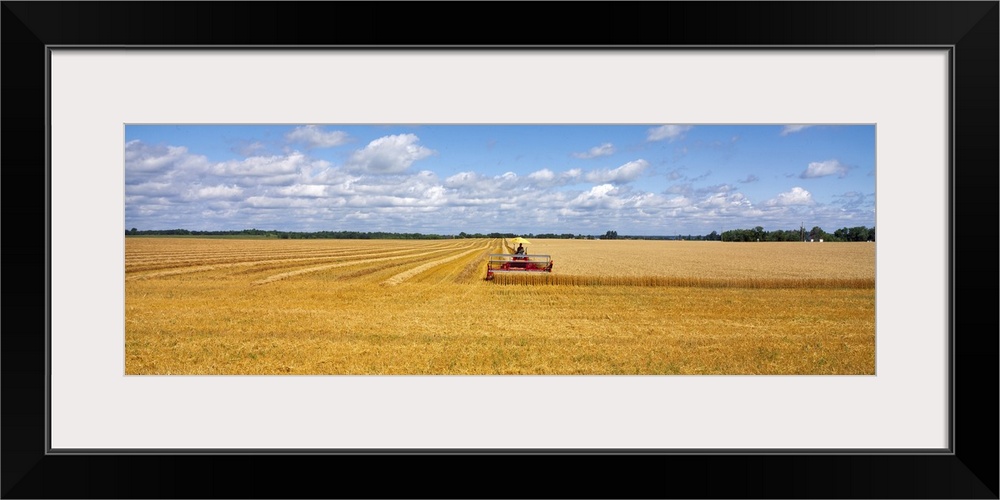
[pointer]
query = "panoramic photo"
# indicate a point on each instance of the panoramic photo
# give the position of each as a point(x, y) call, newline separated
point(507, 249)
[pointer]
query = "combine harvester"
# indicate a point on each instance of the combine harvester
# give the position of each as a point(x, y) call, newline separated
point(519, 261)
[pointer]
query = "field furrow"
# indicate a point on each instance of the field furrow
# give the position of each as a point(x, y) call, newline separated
point(405, 275)
point(475, 268)
point(299, 272)
point(257, 264)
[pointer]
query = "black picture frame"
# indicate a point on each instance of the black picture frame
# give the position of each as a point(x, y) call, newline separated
point(970, 470)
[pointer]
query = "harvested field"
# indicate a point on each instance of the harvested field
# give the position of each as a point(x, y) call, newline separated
point(408, 307)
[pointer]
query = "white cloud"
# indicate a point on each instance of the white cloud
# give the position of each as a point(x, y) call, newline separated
point(623, 174)
point(677, 202)
point(544, 175)
point(303, 191)
point(668, 132)
point(153, 188)
point(824, 168)
point(262, 166)
point(726, 201)
point(435, 195)
point(791, 129)
point(797, 196)
point(473, 185)
point(314, 137)
point(463, 179)
point(603, 150)
point(218, 192)
point(598, 196)
point(271, 202)
point(716, 200)
point(546, 178)
point(333, 177)
point(141, 158)
point(389, 155)
point(470, 188)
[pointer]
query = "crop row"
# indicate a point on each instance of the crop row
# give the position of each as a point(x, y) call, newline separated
point(678, 281)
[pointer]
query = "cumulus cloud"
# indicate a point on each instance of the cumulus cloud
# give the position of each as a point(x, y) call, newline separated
point(603, 150)
point(667, 132)
point(602, 196)
point(571, 175)
point(389, 155)
point(312, 137)
point(738, 200)
point(623, 174)
point(141, 158)
point(791, 129)
point(303, 191)
point(797, 196)
point(463, 179)
point(475, 185)
point(265, 191)
point(546, 178)
point(153, 189)
point(824, 168)
point(218, 192)
point(277, 202)
point(716, 200)
point(263, 166)
point(544, 175)
point(722, 198)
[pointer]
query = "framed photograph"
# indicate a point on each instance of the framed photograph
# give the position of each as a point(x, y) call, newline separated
point(264, 121)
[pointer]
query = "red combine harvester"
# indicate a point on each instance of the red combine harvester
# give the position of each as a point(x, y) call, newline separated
point(518, 262)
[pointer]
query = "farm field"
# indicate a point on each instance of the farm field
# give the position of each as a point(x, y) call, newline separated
point(415, 307)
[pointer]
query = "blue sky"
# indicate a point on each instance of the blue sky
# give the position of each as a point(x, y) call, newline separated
point(650, 179)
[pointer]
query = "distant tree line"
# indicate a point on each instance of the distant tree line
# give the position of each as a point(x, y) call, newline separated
point(290, 235)
point(859, 233)
point(539, 236)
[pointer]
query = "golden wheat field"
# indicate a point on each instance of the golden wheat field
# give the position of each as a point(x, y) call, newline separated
point(419, 307)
